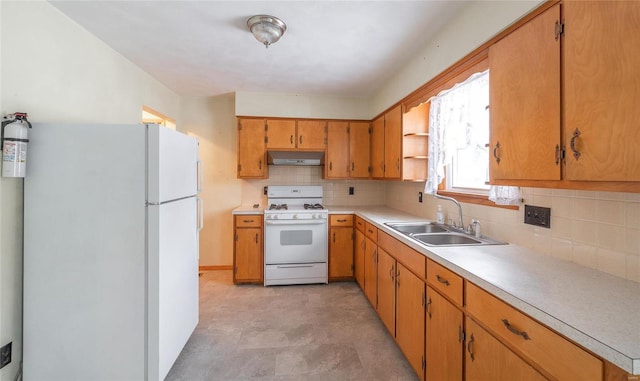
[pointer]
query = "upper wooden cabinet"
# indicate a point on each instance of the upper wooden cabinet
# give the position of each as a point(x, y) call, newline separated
point(601, 88)
point(347, 150)
point(312, 135)
point(415, 143)
point(281, 134)
point(252, 160)
point(284, 134)
point(524, 93)
point(386, 145)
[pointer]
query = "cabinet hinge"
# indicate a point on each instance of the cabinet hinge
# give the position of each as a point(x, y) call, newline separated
point(424, 300)
point(424, 363)
point(266, 127)
point(236, 237)
point(461, 334)
point(369, 169)
point(370, 130)
point(348, 130)
point(326, 127)
point(266, 139)
point(559, 29)
point(239, 126)
point(239, 167)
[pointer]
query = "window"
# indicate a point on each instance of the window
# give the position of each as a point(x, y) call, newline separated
point(459, 133)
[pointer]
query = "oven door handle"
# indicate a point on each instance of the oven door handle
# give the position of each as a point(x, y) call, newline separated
point(292, 266)
point(296, 222)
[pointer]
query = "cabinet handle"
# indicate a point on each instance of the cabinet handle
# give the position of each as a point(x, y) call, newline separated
point(291, 139)
point(572, 144)
point(342, 220)
point(391, 272)
point(460, 334)
point(398, 277)
point(300, 139)
point(382, 165)
point(470, 348)
point(352, 167)
point(495, 152)
point(334, 237)
point(398, 164)
point(247, 221)
point(514, 330)
point(442, 280)
point(260, 165)
point(331, 165)
point(256, 237)
point(428, 305)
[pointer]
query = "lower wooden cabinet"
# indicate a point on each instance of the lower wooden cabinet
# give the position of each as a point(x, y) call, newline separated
point(410, 296)
point(486, 359)
point(358, 258)
point(341, 239)
point(387, 290)
point(247, 249)
point(444, 342)
point(371, 272)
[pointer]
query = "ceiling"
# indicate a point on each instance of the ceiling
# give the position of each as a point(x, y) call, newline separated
point(204, 48)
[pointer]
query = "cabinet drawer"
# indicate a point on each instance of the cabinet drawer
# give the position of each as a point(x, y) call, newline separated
point(371, 232)
point(360, 224)
point(248, 221)
point(410, 258)
point(553, 353)
point(445, 281)
point(341, 219)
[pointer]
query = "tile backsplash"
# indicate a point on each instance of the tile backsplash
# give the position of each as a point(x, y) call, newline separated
point(600, 230)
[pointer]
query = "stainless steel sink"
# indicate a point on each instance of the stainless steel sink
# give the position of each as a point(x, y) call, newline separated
point(446, 239)
point(434, 234)
point(417, 227)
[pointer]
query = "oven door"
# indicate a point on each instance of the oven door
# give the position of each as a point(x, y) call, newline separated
point(295, 241)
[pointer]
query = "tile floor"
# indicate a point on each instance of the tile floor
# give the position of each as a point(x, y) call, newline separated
point(311, 332)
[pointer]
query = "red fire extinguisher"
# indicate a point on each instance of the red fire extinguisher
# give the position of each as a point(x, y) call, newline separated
point(14, 144)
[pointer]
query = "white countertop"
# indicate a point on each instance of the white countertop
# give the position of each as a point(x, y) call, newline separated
point(249, 209)
point(599, 311)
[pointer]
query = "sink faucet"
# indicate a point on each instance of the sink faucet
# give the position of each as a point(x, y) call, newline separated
point(460, 223)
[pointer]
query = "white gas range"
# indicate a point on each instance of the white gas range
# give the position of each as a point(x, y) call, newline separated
point(295, 236)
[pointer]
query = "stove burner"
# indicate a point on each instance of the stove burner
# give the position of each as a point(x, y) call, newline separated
point(313, 206)
point(278, 207)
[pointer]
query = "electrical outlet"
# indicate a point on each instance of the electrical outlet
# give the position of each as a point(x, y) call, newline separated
point(5, 355)
point(537, 215)
point(419, 196)
point(351, 191)
point(264, 190)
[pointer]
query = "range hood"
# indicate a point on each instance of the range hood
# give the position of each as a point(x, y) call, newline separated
point(295, 158)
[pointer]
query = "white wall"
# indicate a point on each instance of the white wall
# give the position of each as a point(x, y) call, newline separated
point(476, 24)
point(301, 106)
point(57, 72)
point(212, 120)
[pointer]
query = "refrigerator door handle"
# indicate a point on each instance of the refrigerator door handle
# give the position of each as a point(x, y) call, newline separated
point(200, 175)
point(200, 213)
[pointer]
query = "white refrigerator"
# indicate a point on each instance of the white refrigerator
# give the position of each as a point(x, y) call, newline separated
point(111, 221)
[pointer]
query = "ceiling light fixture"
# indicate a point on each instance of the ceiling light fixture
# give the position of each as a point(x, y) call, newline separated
point(266, 29)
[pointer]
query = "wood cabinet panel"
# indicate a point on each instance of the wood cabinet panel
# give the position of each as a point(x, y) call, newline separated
point(337, 160)
point(444, 344)
point(360, 224)
point(410, 258)
point(281, 134)
point(312, 135)
point(601, 90)
point(341, 219)
point(393, 143)
point(249, 220)
point(341, 252)
point(558, 356)
point(445, 281)
point(252, 161)
point(377, 148)
point(524, 93)
point(359, 149)
point(247, 250)
point(359, 254)
point(410, 293)
point(371, 232)
point(371, 272)
point(387, 290)
point(486, 359)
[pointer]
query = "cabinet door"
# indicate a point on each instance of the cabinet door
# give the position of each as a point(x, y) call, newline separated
point(371, 272)
point(410, 294)
point(248, 255)
point(443, 345)
point(524, 95)
point(341, 253)
point(281, 134)
point(359, 258)
point(337, 160)
point(251, 149)
point(601, 90)
point(359, 149)
point(312, 135)
point(487, 359)
point(393, 143)
point(387, 290)
point(377, 148)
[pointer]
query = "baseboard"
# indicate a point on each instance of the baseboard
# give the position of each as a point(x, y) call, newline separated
point(221, 267)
